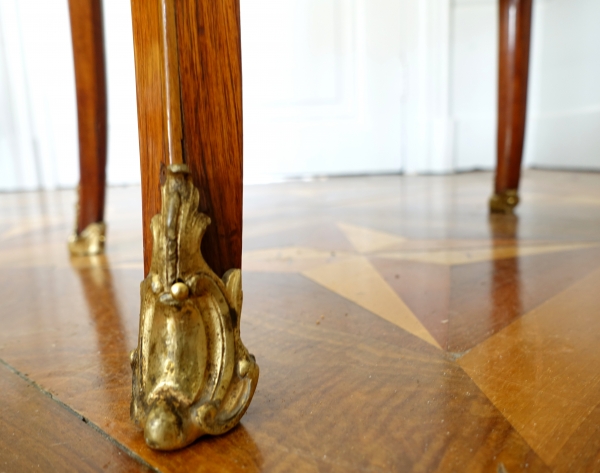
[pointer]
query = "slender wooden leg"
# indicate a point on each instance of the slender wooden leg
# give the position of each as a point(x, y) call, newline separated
point(515, 28)
point(210, 128)
point(191, 373)
point(90, 79)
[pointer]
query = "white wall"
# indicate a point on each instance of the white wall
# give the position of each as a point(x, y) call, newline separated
point(345, 87)
point(330, 87)
point(563, 123)
point(322, 87)
point(473, 82)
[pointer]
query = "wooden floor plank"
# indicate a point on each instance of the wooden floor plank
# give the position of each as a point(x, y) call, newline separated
point(342, 388)
point(38, 434)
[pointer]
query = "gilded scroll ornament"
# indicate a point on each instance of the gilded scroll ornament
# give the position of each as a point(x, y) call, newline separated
point(192, 375)
point(89, 242)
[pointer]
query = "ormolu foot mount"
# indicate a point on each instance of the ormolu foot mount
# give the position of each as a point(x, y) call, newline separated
point(191, 373)
point(89, 242)
point(504, 202)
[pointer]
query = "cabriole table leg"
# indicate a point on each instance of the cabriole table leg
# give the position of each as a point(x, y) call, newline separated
point(191, 373)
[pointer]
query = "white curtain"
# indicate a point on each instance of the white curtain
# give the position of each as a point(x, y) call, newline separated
point(38, 116)
point(331, 87)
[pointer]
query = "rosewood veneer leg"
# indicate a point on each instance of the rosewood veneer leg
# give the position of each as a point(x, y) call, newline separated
point(514, 41)
point(191, 373)
point(90, 79)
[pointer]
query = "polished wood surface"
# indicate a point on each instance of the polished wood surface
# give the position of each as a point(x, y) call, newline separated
point(513, 72)
point(205, 49)
point(38, 434)
point(90, 79)
point(522, 369)
point(170, 81)
point(489, 363)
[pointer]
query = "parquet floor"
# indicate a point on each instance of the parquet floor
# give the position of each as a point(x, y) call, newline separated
point(397, 327)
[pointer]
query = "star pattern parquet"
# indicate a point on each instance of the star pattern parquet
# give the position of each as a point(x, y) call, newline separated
point(398, 327)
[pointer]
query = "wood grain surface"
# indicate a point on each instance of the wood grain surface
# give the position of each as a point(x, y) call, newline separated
point(352, 393)
point(90, 79)
point(342, 388)
point(531, 370)
point(513, 72)
point(207, 46)
point(509, 289)
point(38, 434)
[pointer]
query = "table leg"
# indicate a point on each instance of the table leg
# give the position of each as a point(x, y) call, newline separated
point(513, 71)
point(192, 374)
point(209, 53)
point(90, 79)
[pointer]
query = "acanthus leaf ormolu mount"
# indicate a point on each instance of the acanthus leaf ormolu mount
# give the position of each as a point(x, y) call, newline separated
point(192, 375)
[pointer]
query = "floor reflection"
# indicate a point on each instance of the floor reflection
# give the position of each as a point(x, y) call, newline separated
point(506, 285)
point(105, 313)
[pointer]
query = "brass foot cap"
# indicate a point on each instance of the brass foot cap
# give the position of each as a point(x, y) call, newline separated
point(163, 429)
point(504, 202)
point(89, 242)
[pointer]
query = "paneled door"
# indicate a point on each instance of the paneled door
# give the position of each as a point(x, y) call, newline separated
point(323, 85)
